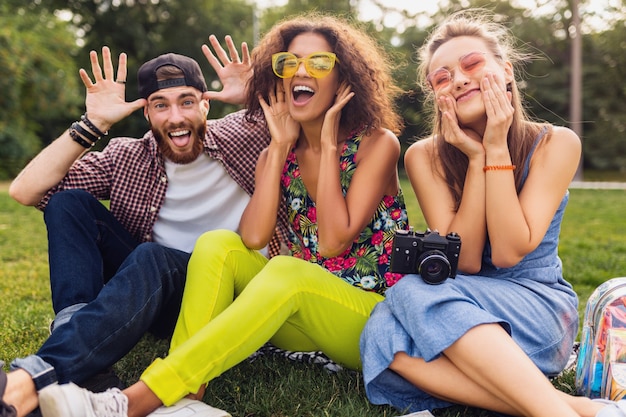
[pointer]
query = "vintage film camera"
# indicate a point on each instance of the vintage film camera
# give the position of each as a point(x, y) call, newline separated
point(429, 254)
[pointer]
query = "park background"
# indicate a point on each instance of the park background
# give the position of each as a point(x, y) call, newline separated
point(43, 43)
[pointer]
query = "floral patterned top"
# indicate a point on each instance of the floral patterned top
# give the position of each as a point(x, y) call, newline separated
point(365, 264)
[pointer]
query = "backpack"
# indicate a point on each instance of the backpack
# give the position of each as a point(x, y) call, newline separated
point(601, 365)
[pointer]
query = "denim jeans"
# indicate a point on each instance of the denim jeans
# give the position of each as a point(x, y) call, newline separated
point(114, 289)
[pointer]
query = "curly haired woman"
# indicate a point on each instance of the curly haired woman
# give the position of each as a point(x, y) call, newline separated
point(325, 89)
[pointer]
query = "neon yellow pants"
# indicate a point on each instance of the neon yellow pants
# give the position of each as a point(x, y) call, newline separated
point(235, 300)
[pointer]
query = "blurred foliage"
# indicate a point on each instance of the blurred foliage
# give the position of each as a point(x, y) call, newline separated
point(43, 43)
point(604, 98)
point(39, 85)
point(144, 29)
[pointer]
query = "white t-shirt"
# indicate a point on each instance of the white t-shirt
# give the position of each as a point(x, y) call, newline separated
point(200, 196)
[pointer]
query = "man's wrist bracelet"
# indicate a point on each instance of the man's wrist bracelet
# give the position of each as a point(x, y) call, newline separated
point(77, 138)
point(85, 133)
point(91, 126)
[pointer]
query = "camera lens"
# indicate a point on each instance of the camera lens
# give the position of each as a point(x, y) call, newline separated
point(433, 266)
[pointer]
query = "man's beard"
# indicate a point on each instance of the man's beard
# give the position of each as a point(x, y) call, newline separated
point(181, 158)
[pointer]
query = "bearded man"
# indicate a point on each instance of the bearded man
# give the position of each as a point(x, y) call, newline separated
point(118, 272)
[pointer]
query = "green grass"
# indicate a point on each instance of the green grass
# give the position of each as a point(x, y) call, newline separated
point(593, 249)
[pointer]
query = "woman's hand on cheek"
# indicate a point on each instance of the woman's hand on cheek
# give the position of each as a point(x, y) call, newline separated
point(330, 127)
point(283, 129)
point(498, 108)
point(466, 140)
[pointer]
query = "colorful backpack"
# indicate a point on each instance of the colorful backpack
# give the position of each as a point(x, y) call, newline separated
point(601, 365)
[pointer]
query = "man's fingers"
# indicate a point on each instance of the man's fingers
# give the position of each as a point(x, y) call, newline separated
point(219, 51)
point(121, 69)
point(95, 66)
point(232, 51)
point(107, 63)
point(212, 60)
point(245, 52)
point(85, 77)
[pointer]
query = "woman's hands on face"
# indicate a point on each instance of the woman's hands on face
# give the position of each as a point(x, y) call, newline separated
point(499, 112)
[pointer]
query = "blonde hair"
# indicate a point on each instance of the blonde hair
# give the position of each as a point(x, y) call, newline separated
point(480, 24)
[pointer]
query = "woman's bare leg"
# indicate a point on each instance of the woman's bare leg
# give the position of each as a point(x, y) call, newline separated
point(485, 368)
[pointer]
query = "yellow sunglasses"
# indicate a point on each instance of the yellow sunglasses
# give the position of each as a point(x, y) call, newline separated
point(317, 65)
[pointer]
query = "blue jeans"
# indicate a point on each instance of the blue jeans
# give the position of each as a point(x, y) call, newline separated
point(107, 290)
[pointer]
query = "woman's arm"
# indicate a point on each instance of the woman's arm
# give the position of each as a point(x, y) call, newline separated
point(437, 204)
point(105, 106)
point(258, 222)
point(517, 224)
point(341, 219)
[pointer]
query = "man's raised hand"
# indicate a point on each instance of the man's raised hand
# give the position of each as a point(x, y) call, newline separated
point(233, 71)
point(105, 102)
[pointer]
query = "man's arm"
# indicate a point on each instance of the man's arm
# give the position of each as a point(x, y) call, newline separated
point(105, 104)
point(46, 170)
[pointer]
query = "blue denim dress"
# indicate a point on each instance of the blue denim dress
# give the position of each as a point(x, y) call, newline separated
point(531, 300)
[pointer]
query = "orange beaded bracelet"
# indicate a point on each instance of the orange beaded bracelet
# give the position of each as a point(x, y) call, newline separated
point(498, 168)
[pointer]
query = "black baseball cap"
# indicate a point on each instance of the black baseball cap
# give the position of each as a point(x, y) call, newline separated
point(192, 75)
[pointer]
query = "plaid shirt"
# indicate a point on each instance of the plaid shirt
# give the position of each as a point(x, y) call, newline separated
point(131, 173)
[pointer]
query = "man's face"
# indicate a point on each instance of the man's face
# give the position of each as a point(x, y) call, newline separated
point(177, 118)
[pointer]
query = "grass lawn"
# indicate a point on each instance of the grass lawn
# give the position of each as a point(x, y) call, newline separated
point(593, 249)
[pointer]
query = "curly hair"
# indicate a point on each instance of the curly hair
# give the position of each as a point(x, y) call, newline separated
point(362, 63)
point(480, 24)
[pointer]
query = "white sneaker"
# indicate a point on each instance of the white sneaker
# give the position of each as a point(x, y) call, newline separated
point(187, 407)
point(612, 409)
point(70, 400)
point(424, 413)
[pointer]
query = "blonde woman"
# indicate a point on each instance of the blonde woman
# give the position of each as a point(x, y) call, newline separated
point(489, 337)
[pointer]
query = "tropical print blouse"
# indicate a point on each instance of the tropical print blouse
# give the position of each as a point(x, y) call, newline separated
point(365, 264)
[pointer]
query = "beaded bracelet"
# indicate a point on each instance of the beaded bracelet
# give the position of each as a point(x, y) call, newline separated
point(498, 168)
point(78, 139)
point(91, 126)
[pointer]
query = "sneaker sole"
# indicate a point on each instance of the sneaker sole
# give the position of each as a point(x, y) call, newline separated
point(49, 404)
point(188, 408)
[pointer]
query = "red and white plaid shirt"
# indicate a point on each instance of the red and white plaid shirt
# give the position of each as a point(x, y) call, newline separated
point(131, 173)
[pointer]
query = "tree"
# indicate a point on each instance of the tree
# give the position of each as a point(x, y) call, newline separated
point(604, 99)
point(144, 29)
point(344, 8)
point(40, 54)
point(38, 81)
point(545, 77)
